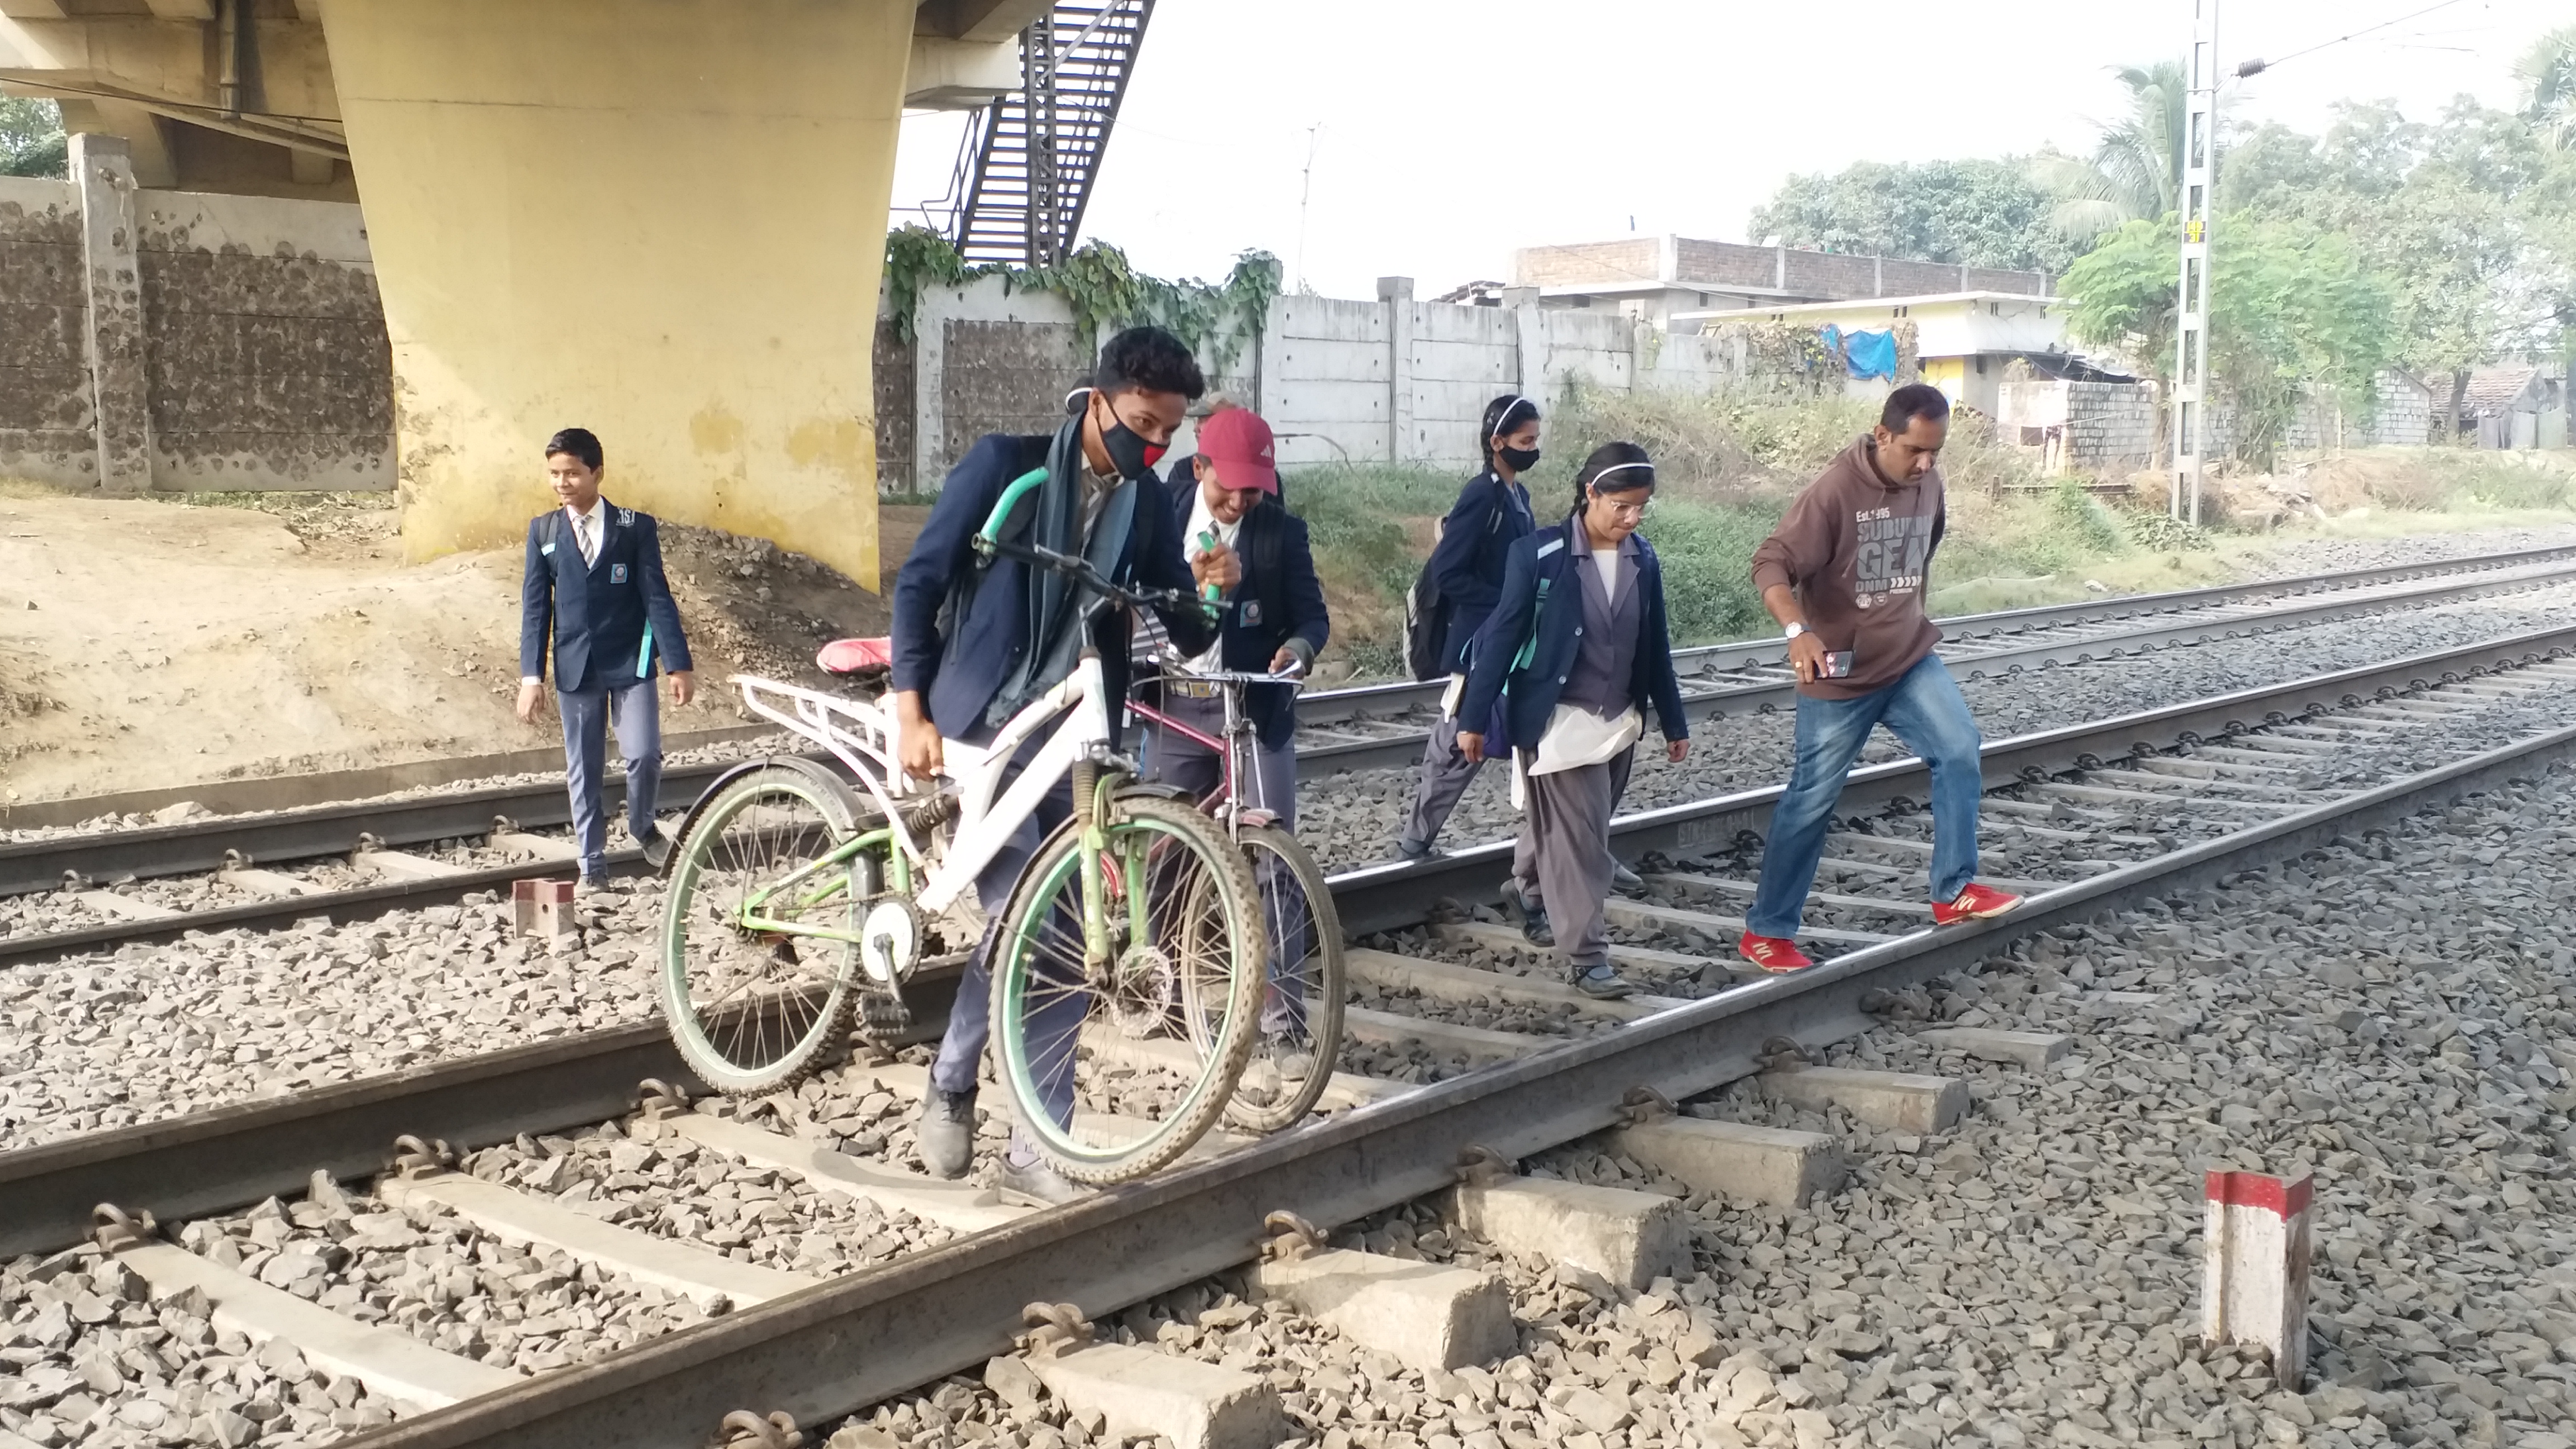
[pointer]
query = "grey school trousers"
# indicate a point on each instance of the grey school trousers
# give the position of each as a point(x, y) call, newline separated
point(639, 739)
point(1565, 845)
point(1446, 774)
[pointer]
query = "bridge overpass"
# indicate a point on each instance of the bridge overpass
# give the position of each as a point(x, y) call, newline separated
point(661, 219)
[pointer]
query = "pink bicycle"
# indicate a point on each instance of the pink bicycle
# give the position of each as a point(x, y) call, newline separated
point(1301, 1015)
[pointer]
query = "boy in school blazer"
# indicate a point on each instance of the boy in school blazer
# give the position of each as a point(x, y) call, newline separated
point(594, 575)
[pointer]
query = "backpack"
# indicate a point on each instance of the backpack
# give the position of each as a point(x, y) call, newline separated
point(1426, 612)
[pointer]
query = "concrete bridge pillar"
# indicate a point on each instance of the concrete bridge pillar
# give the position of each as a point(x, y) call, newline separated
point(659, 219)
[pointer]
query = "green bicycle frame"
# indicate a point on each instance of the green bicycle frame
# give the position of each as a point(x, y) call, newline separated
point(750, 916)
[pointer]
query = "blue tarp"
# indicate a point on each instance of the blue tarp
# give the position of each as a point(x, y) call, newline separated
point(1870, 354)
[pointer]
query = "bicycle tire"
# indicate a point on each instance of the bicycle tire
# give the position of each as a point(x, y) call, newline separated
point(1199, 897)
point(1321, 976)
point(800, 1009)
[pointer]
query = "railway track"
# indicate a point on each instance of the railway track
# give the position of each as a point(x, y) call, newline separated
point(352, 861)
point(2097, 816)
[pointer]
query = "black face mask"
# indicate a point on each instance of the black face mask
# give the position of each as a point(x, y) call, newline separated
point(1519, 460)
point(1128, 451)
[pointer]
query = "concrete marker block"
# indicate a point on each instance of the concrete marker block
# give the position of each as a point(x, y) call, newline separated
point(2254, 1266)
point(1428, 1316)
point(1768, 1164)
point(1630, 1238)
point(1900, 1101)
point(2037, 1050)
point(1140, 1392)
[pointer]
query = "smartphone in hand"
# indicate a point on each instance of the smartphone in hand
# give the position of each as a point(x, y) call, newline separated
point(1838, 664)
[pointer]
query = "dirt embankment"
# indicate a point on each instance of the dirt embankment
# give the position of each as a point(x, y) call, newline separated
point(149, 643)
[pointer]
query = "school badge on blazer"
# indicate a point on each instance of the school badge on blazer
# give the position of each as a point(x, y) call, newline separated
point(617, 573)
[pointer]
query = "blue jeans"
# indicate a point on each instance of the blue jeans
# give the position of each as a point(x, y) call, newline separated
point(1924, 709)
point(639, 740)
point(1054, 1026)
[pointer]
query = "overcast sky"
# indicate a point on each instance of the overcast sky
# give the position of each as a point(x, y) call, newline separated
point(1454, 131)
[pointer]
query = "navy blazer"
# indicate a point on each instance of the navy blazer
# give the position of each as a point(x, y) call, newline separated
point(1546, 554)
point(613, 618)
point(1475, 540)
point(958, 675)
point(1264, 613)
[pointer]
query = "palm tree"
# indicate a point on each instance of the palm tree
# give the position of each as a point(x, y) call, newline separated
point(2135, 169)
point(2548, 74)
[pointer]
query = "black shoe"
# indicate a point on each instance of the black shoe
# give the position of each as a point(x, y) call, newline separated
point(946, 1130)
point(1533, 918)
point(1624, 879)
point(1604, 985)
point(1036, 1184)
point(657, 850)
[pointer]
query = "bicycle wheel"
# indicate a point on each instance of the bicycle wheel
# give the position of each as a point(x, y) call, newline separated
point(1300, 1026)
point(1102, 1071)
point(752, 1009)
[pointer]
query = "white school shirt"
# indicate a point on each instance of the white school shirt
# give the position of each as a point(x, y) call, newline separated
point(1202, 521)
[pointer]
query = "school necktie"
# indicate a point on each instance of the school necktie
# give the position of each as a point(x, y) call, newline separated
point(583, 533)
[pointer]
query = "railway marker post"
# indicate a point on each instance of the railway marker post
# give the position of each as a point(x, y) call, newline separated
point(2254, 1267)
point(543, 908)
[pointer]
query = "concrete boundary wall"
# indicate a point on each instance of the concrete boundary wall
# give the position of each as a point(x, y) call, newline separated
point(1339, 380)
point(180, 341)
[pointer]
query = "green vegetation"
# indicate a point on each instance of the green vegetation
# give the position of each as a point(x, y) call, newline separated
point(32, 142)
point(2437, 245)
point(1104, 292)
point(1983, 213)
point(2295, 314)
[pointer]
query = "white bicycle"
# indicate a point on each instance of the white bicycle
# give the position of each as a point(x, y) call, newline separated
point(793, 895)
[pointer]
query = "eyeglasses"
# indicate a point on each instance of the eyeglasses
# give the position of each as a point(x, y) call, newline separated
point(1630, 511)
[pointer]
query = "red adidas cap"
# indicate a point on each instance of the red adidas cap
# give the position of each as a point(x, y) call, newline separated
point(1238, 442)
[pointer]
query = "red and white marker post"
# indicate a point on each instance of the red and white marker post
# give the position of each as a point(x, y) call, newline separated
point(2254, 1267)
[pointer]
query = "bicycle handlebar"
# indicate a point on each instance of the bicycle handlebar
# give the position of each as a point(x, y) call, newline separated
point(1081, 572)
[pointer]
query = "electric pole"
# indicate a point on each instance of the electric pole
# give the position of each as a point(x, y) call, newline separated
point(1306, 193)
point(2191, 306)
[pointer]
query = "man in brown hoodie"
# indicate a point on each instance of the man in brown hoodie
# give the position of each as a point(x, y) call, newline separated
point(1845, 574)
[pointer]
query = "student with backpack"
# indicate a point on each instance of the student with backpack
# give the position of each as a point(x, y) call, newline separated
point(1575, 649)
point(1457, 590)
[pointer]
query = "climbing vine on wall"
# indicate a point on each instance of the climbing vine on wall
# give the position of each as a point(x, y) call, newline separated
point(1104, 291)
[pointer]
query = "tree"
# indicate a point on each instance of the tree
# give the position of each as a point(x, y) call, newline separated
point(1980, 213)
point(2136, 168)
point(2295, 313)
point(32, 142)
point(2548, 75)
point(2466, 218)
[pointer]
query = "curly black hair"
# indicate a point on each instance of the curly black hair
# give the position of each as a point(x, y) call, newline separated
point(1148, 359)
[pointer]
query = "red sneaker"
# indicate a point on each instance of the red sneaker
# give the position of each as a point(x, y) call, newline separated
point(1774, 954)
point(1976, 903)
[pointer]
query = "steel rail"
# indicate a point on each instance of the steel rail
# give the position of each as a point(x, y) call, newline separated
point(1384, 699)
point(326, 830)
point(46, 1191)
point(1314, 760)
point(841, 1345)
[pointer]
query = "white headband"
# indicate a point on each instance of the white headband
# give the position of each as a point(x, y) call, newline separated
point(1595, 485)
point(1503, 419)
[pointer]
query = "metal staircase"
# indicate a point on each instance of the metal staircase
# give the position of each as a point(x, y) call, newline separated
point(1029, 160)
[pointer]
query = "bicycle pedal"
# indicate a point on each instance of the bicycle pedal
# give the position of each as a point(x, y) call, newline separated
point(882, 1013)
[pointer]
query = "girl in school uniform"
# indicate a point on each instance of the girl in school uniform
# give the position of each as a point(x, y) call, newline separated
point(1492, 513)
point(1575, 649)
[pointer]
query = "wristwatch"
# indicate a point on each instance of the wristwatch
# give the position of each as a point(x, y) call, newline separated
point(1793, 631)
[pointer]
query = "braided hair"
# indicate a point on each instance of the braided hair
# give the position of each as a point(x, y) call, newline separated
point(1625, 466)
point(1503, 415)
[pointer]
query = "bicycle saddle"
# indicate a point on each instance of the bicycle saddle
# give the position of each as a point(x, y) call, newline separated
point(855, 656)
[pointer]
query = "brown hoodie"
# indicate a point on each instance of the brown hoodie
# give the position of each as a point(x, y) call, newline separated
point(1858, 551)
